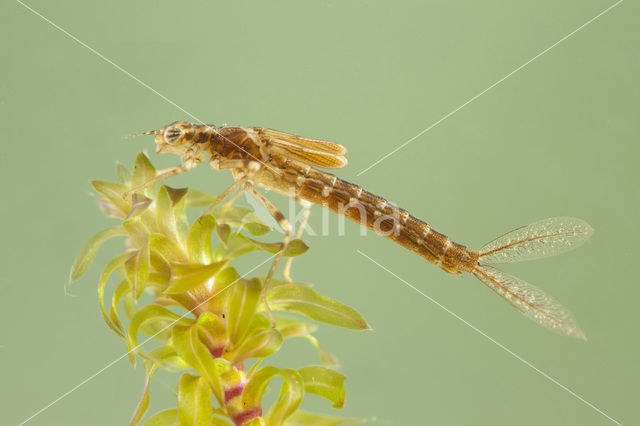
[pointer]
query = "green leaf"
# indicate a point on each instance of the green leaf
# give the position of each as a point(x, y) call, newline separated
point(222, 285)
point(167, 357)
point(159, 280)
point(223, 231)
point(304, 300)
point(241, 217)
point(169, 250)
point(88, 252)
point(144, 315)
point(199, 240)
point(164, 418)
point(159, 329)
point(178, 205)
point(136, 270)
point(290, 328)
point(254, 390)
point(294, 248)
point(303, 418)
point(139, 204)
point(106, 273)
point(143, 171)
point(324, 382)
point(259, 322)
point(112, 193)
point(293, 327)
point(290, 397)
point(256, 365)
point(143, 404)
point(237, 244)
point(129, 304)
point(326, 357)
point(260, 344)
point(159, 263)
point(170, 214)
point(122, 290)
point(194, 401)
point(196, 198)
point(186, 277)
point(233, 245)
point(123, 174)
point(222, 421)
point(186, 341)
point(242, 304)
point(176, 194)
point(290, 394)
point(164, 215)
point(213, 333)
point(136, 230)
point(109, 209)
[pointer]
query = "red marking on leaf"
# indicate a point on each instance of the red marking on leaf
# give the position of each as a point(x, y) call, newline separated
point(217, 351)
point(245, 416)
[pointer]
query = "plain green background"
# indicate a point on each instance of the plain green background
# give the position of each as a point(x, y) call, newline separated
point(557, 138)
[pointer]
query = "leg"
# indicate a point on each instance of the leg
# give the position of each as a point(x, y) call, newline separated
point(218, 164)
point(246, 166)
point(299, 232)
point(223, 195)
point(286, 227)
point(164, 174)
point(230, 202)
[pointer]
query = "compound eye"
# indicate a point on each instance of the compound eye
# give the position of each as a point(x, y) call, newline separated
point(172, 134)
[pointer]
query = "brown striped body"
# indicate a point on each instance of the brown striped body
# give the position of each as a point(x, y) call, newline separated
point(374, 212)
point(290, 165)
point(301, 181)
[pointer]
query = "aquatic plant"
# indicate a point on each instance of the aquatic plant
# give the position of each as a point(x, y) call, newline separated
point(203, 318)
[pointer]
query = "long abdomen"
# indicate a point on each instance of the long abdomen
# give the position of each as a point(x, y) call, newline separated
point(540, 239)
point(378, 214)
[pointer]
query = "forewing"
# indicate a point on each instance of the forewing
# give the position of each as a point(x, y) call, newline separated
point(311, 157)
point(287, 140)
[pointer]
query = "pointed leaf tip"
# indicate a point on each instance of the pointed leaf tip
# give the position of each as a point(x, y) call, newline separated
point(164, 418)
point(112, 193)
point(139, 203)
point(143, 170)
point(324, 382)
point(304, 418)
point(199, 239)
point(176, 194)
point(88, 252)
point(305, 301)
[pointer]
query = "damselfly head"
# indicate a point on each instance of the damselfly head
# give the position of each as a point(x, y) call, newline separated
point(177, 137)
point(172, 133)
point(171, 138)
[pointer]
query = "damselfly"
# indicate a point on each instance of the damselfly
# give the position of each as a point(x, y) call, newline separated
point(290, 165)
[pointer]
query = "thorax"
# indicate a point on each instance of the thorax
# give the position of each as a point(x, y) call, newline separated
point(231, 143)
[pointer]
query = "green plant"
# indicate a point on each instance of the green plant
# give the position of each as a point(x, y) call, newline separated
point(207, 320)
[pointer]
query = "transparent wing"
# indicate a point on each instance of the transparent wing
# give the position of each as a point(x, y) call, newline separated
point(288, 140)
point(531, 301)
point(544, 238)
